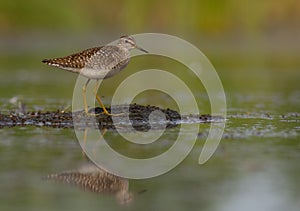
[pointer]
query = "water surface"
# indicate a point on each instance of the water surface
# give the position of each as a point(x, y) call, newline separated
point(256, 165)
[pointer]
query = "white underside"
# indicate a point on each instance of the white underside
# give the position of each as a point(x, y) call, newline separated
point(94, 74)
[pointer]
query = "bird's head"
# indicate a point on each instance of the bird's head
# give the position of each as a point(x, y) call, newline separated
point(128, 42)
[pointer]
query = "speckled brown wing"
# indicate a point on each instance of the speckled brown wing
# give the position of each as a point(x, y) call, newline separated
point(73, 62)
point(99, 58)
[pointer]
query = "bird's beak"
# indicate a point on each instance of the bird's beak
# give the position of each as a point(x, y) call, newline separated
point(141, 49)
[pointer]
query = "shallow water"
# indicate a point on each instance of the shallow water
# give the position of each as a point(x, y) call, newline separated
point(256, 165)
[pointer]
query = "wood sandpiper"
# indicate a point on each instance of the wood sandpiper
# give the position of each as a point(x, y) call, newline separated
point(98, 63)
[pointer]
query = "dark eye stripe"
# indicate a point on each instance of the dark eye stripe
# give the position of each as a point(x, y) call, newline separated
point(129, 41)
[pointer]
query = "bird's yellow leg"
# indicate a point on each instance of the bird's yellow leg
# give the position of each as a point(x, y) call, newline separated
point(99, 141)
point(98, 99)
point(100, 102)
point(84, 96)
point(84, 141)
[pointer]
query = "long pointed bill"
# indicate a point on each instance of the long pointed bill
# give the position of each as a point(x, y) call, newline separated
point(141, 49)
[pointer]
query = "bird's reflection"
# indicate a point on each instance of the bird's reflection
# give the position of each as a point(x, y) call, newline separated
point(91, 178)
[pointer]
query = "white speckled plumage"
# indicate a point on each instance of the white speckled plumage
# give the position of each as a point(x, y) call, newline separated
point(99, 62)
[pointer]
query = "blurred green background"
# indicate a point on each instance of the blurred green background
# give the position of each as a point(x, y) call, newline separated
point(268, 26)
point(218, 17)
point(245, 40)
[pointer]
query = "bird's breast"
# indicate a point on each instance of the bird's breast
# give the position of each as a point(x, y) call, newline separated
point(106, 63)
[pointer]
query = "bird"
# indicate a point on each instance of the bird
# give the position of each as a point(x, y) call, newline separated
point(90, 177)
point(98, 63)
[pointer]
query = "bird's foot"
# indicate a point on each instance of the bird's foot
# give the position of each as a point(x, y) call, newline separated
point(89, 113)
point(97, 113)
point(110, 114)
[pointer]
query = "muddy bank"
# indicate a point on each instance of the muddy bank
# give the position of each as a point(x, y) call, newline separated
point(138, 116)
